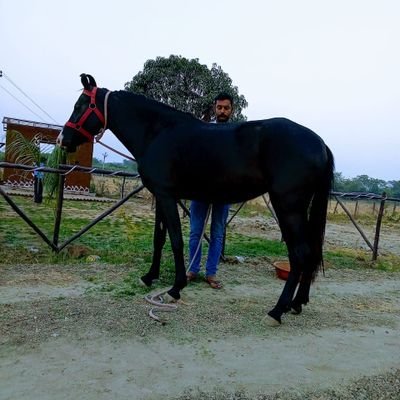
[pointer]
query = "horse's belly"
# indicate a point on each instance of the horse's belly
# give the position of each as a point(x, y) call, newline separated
point(226, 194)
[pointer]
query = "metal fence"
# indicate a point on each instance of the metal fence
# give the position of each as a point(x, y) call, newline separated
point(63, 170)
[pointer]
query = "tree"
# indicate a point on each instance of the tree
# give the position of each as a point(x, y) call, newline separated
point(364, 183)
point(186, 85)
point(394, 188)
point(339, 182)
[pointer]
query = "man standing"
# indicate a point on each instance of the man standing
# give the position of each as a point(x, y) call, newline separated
point(38, 185)
point(223, 108)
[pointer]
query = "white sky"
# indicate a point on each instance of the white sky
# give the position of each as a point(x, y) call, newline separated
point(332, 66)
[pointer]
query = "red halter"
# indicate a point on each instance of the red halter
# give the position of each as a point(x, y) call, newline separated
point(78, 126)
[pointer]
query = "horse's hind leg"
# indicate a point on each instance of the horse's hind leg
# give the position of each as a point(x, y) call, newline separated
point(160, 232)
point(303, 292)
point(293, 226)
point(308, 274)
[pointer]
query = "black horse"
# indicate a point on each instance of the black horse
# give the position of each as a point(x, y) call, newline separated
point(181, 157)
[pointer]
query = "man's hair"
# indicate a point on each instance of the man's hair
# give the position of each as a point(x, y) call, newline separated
point(224, 96)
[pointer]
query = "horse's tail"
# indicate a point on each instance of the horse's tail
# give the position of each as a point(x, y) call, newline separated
point(318, 214)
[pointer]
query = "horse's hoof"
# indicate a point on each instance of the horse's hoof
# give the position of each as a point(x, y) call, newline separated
point(271, 321)
point(174, 293)
point(168, 299)
point(142, 283)
point(146, 281)
point(296, 309)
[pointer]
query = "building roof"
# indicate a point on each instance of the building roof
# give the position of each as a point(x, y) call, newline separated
point(23, 122)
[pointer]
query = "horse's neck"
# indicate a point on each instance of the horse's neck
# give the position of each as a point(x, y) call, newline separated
point(136, 121)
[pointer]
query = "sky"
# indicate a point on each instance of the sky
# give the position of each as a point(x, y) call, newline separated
point(333, 66)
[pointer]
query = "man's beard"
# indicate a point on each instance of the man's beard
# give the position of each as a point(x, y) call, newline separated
point(222, 118)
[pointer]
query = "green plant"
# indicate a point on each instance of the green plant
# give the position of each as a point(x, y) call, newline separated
point(23, 150)
point(51, 180)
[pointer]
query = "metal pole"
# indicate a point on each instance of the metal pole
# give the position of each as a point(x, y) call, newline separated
point(60, 200)
point(356, 209)
point(271, 210)
point(26, 219)
point(235, 213)
point(123, 187)
point(355, 223)
point(336, 206)
point(378, 227)
point(100, 217)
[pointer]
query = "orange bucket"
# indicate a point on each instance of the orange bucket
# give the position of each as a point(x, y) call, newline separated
point(282, 269)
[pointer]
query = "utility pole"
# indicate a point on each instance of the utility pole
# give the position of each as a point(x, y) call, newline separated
point(105, 155)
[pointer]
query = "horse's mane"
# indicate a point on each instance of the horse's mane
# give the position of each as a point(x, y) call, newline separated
point(156, 106)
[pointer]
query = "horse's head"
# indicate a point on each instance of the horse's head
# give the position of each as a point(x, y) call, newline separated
point(87, 119)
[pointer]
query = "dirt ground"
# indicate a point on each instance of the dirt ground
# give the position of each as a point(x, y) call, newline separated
point(63, 338)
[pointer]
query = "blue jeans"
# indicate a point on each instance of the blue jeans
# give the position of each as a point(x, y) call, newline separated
point(198, 214)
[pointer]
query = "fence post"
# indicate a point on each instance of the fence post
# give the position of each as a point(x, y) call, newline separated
point(336, 206)
point(356, 209)
point(354, 223)
point(60, 199)
point(123, 187)
point(378, 227)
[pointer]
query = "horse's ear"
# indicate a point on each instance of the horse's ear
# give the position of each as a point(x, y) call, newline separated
point(92, 81)
point(85, 81)
point(88, 81)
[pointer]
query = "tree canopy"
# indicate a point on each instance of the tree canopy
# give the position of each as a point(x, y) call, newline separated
point(366, 184)
point(186, 85)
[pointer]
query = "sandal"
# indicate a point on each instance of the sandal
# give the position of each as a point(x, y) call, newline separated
point(191, 276)
point(213, 283)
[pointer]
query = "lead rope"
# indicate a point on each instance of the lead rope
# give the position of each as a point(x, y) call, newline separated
point(201, 237)
point(158, 299)
point(102, 131)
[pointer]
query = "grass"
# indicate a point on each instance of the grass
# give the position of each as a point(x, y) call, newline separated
point(353, 259)
point(246, 246)
point(125, 237)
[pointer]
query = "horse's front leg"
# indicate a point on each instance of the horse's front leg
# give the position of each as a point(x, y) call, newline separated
point(171, 216)
point(160, 233)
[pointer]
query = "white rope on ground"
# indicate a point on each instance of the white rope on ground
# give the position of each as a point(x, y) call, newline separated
point(161, 300)
point(160, 304)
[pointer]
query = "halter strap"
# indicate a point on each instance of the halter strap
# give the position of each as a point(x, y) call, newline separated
point(78, 126)
point(102, 130)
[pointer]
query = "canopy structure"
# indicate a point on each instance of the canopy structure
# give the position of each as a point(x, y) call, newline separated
point(44, 133)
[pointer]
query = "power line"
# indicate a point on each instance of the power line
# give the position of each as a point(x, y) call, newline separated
point(19, 101)
point(2, 73)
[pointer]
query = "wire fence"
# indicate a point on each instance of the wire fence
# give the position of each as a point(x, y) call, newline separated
point(63, 170)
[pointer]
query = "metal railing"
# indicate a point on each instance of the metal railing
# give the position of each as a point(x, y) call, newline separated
point(63, 170)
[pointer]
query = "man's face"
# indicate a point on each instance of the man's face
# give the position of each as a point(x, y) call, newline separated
point(223, 110)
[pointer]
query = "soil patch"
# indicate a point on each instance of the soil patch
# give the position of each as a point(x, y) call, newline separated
point(61, 337)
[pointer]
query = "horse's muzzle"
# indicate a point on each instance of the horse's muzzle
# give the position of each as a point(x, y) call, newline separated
point(61, 142)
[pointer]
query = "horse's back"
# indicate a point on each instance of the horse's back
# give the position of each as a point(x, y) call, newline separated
point(288, 151)
point(237, 161)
